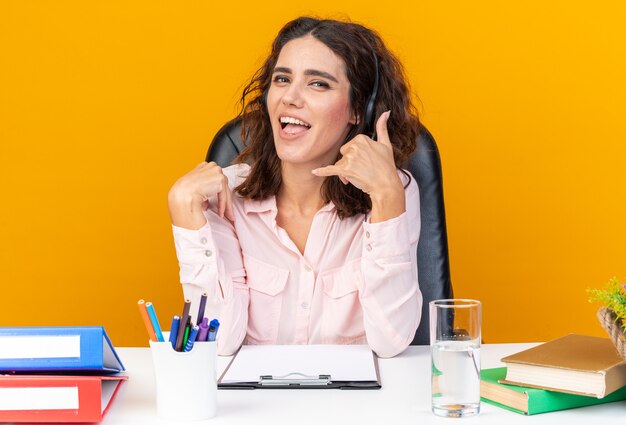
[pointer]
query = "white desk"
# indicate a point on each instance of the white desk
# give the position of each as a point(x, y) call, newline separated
point(404, 398)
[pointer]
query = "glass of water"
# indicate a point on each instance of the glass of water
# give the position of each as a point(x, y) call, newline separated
point(455, 357)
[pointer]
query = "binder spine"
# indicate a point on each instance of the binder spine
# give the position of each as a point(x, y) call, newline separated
point(91, 344)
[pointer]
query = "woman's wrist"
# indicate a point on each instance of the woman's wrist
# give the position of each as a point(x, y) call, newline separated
point(387, 203)
point(185, 210)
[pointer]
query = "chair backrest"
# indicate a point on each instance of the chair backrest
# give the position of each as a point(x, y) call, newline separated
point(432, 251)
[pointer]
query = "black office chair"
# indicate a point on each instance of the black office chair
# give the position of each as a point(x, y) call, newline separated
point(432, 250)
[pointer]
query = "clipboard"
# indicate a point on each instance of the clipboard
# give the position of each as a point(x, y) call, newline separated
point(302, 367)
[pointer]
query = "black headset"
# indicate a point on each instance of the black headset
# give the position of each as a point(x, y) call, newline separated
point(368, 118)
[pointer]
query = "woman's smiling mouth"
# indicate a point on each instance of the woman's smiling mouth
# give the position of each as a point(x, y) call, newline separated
point(292, 126)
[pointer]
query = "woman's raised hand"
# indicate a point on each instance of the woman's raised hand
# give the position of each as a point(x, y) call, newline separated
point(369, 165)
point(189, 196)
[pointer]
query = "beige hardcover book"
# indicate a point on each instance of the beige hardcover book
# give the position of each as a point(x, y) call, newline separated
point(576, 364)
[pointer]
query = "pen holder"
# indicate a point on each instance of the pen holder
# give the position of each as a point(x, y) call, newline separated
point(186, 382)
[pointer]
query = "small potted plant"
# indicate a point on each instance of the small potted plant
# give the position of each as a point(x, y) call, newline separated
point(612, 314)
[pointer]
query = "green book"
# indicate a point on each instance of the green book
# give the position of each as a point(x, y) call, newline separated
point(530, 401)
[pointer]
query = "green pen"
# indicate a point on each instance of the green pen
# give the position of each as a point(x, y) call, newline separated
point(186, 337)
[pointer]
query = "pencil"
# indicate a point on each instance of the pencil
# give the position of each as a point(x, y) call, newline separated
point(181, 327)
point(201, 308)
point(155, 321)
point(146, 319)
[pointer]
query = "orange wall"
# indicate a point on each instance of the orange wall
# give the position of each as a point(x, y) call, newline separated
point(104, 104)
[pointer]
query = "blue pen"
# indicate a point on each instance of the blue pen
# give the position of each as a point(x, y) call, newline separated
point(213, 327)
point(174, 330)
point(192, 338)
point(155, 321)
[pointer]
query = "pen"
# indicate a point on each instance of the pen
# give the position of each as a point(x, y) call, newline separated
point(155, 321)
point(204, 330)
point(201, 308)
point(174, 330)
point(186, 337)
point(146, 320)
point(213, 327)
point(192, 338)
point(181, 326)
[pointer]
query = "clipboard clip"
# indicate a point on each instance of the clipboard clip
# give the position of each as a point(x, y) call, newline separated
point(294, 379)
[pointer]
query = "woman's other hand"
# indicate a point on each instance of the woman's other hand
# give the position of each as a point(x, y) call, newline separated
point(369, 165)
point(189, 196)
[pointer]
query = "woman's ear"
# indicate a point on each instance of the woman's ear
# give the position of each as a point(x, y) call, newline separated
point(354, 118)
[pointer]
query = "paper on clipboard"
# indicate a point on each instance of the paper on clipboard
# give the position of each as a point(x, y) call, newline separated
point(343, 363)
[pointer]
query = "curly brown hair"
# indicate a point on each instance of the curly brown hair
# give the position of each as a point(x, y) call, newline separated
point(361, 49)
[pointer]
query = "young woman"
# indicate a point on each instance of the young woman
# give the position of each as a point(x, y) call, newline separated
point(311, 237)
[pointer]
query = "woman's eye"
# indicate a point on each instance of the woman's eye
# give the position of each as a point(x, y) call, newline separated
point(323, 84)
point(281, 79)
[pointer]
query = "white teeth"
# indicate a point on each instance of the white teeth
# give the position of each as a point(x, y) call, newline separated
point(290, 120)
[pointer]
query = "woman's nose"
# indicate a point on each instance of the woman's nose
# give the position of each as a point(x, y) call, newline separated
point(292, 96)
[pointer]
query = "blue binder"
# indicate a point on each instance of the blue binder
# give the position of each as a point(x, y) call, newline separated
point(85, 349)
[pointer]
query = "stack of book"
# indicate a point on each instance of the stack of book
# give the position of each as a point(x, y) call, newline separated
point(568, 372)
point(57, 374)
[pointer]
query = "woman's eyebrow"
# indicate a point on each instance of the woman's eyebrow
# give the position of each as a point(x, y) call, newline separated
point(282, 69)
point(320, 74)
point(314, 72)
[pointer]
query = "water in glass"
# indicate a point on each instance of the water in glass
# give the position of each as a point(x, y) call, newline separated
point(456, 377)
